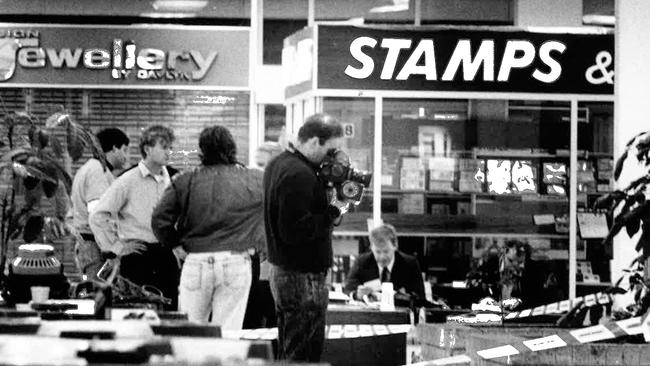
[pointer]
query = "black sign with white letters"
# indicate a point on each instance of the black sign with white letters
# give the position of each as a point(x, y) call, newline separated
point(465, 59)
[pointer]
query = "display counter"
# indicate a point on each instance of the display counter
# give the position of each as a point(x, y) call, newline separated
point(351, 314)
point(356, 335)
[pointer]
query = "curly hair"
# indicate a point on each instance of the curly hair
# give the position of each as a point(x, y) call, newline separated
point(217, 146)
point(152, 134)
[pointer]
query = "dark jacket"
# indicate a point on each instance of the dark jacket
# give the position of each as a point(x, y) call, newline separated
point(223, 211)
point(298, 226)
point(405, 274)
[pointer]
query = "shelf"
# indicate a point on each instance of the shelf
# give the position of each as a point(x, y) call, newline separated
point(465, 234)
point(467, 226)
point(485, 195)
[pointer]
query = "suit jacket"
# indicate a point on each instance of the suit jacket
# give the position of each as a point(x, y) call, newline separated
point(405, 274)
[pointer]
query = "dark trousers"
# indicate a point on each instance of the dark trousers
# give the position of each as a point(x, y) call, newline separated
point(155, 267)
point(260, 309)
point(301, 307)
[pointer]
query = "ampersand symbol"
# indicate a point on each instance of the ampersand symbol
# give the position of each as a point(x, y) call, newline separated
point(603, 60)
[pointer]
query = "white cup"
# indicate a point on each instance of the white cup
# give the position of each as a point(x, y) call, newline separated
point(338, 287)
point(40, 293)
point(387, 297)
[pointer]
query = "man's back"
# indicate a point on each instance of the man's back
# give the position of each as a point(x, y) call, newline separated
point(89, 183)
point(298, 226)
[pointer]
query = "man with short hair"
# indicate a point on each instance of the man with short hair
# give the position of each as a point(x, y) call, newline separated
point(299, 220)
point(387, 264)
point(89, 183)
point(129, 203)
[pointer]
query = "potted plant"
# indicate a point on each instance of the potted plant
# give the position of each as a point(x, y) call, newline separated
point(629, 208)
point(32, 168)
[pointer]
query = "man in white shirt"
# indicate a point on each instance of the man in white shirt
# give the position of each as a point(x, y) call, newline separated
point(89, 183)
point(129, 203)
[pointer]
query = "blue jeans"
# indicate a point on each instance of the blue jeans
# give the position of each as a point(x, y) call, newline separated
point(301, 306)
point(217, 283)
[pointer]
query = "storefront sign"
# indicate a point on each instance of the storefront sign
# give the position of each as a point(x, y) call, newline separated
point(123, 55)
point(462, 59)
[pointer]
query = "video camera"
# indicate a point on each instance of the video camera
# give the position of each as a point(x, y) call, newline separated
point(348, 182)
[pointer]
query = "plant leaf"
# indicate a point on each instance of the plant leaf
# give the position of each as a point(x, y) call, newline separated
point(56, 119)
point(644, 241)
point(57, 148)
point(632, 227)
point(59, 171)
point(618, 167)
point(638, 213)
point(74, 141)
point(608, 200)
point(19, 155)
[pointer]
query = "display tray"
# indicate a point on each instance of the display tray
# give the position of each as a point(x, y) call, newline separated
point(450, 339)
point(628, 354)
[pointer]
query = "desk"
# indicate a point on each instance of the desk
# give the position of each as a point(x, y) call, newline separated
point(462, 297)
point(351, 314)
point(351, 344)
point(22, 349)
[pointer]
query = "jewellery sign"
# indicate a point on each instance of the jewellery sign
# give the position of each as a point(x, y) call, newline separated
point(465, 59)
point(123, 55)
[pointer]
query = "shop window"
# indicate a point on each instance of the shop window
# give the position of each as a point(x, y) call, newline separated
point(187, 112)
point(274, 121)
point(357, 117)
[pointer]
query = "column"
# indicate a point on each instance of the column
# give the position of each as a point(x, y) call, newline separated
point(632, 90)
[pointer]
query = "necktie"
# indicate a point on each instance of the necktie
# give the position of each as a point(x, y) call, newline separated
point(385, 275)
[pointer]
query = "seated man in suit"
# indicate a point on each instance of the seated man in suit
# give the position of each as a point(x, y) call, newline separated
point(387, 264)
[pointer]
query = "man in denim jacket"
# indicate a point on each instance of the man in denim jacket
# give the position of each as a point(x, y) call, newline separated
point(215, 213)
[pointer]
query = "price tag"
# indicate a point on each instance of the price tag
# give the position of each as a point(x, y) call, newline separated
point(549, 342)
point(592, 334)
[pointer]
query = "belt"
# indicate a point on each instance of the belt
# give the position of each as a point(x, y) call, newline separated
point(211, 257)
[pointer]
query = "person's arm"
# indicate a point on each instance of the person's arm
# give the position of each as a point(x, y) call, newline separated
point(103, 221)
point(415, 282)
point(297, 225)
point(353, 279)
point(165, 216)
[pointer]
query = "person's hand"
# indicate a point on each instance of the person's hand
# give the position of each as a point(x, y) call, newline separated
point(342, 207)
point(363, 291)
point(337, 208)
point(180, 255)
point(132, 247)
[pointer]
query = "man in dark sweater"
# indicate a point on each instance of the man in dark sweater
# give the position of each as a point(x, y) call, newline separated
point(299, 218)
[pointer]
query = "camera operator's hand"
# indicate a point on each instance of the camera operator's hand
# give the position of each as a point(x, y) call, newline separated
point(336, 208)
point(342, 207)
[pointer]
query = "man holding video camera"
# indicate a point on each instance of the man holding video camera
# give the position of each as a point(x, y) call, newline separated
point(299, 213)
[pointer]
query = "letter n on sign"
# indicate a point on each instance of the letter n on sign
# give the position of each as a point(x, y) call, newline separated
point(348, 130)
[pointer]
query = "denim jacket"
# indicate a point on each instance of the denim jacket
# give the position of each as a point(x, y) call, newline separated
point(212, 208)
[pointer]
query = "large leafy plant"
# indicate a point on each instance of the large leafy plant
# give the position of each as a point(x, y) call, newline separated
point(629, 209)
point(32, 167)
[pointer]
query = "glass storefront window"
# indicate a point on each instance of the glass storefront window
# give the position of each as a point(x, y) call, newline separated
point(358, 117)
point(463, 178)
point(187, 112)
point(478, 169)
